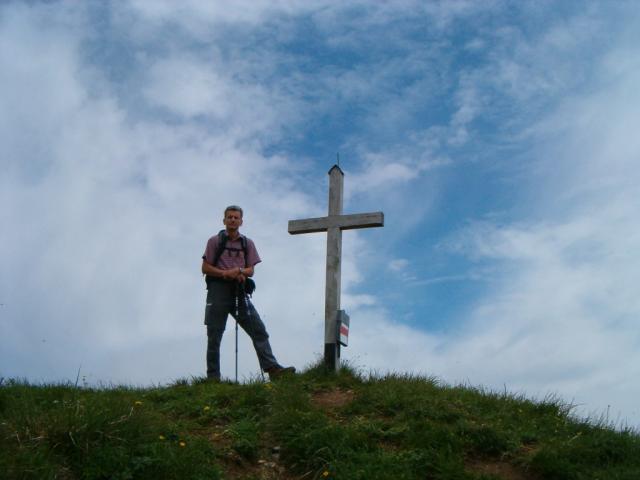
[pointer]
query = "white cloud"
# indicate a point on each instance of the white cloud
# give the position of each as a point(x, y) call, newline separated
point(561, 322)
point(563, 318)
point(198, 16)
point(187, 88)
point(384, 176)
point(398, 264)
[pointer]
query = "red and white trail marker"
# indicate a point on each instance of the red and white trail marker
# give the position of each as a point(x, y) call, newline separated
point(343, 328)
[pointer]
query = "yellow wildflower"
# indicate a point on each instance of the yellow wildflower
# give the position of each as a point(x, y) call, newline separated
point(325, 474)
point(161, 437)
point(182, 444)
point(207, 408)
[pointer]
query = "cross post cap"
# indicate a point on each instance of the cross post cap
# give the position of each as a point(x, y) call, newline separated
point(334, 168)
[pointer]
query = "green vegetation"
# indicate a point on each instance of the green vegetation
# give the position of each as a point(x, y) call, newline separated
point(309, 426)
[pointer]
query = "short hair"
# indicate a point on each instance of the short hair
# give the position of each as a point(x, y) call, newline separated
point(234, 208)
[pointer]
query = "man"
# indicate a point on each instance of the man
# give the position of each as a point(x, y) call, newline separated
point(229, 259)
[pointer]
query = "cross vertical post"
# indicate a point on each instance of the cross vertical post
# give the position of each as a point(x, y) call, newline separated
point(333, 276)
point(333, 224)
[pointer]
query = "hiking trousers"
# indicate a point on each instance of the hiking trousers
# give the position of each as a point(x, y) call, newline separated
point(221, 301)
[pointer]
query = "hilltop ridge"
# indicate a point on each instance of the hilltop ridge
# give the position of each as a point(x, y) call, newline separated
point(310, 426)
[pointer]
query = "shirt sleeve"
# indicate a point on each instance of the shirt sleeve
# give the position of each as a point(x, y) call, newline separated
point(252, 254)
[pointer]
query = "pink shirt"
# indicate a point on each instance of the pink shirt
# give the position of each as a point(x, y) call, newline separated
point(233, 255)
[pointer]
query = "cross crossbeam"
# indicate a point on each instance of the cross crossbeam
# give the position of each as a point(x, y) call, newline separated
point(333, 224)
point(343, 222)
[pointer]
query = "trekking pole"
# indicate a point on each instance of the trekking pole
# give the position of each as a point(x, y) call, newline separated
point(245, 297)
point(236, 319)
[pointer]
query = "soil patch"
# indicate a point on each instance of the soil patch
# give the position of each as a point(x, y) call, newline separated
point(502, 470)
point(332, 399)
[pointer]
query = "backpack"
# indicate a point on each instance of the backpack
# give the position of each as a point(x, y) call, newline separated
point(249, 284)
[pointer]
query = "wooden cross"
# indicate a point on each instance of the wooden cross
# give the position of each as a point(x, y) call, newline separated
point(333, 224)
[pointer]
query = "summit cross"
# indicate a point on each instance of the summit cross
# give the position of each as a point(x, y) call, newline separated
point(333, 224)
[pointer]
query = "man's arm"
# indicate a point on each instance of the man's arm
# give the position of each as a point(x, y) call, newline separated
point(230, 274)
point(252, 259)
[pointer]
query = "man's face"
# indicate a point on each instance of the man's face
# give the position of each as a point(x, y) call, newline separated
point(232, 220)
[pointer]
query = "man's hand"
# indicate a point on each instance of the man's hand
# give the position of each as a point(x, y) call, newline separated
point(234, 274)
point(242, 276)
point(230, 274)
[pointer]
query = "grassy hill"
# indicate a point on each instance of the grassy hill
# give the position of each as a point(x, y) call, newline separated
point(310, 426)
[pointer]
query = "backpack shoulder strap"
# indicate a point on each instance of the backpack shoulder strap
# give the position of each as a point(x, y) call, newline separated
point(243, 242)
point(222, 243)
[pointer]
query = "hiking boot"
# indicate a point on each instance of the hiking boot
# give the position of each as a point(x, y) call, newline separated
point(279, 372)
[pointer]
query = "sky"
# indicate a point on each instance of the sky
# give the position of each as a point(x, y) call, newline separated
point(499, 138)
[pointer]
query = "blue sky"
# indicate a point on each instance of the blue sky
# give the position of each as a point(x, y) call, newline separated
point(497, 137)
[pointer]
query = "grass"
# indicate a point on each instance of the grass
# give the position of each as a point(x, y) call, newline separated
point(310, 426)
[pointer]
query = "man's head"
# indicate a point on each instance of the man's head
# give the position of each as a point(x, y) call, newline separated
point(232, 218)
point(234, 208)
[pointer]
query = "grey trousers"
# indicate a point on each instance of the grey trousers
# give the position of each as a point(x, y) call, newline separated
point(221, 301)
